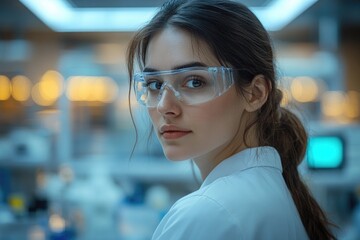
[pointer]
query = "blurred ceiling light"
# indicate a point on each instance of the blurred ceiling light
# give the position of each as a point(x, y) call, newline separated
point(38, 98)
point(51, 85)
point(352, 106)
point(279, 13)
point(99, 89)
point(332, 103)
point(92, 89)
point(21, 88)
point(62, 17)
point(56, 223)
point(105, 89)
point(47, 91)
point(304, 89)
point(5, 88)
point(76, 89)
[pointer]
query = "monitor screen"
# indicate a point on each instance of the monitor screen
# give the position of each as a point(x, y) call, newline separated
point(325, 152)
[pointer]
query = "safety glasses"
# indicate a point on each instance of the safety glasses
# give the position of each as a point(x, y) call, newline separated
point(191, 86)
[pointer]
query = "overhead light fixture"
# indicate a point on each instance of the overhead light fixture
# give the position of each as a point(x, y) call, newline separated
point(279, 13)
point(60, 16)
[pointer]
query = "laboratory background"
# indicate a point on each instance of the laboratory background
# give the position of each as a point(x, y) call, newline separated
point(66, 135)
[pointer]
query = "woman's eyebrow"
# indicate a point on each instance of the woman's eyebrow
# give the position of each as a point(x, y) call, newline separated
point(186, 65)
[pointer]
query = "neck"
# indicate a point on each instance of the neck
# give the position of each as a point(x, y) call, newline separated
point(207, 162)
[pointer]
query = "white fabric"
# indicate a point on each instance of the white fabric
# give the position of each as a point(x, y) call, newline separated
point(244, 197)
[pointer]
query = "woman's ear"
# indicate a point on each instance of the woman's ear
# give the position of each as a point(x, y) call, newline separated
point(257, 93)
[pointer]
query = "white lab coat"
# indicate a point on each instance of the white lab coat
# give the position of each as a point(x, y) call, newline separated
point(244, 197)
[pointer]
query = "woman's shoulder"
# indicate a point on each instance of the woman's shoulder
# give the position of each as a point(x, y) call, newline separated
point(225, 197)
point(241, 194)
point(198, 216)
point(199, 201)
point(246, 189)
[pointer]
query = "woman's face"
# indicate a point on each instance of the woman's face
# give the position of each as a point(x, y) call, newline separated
point(192, 131)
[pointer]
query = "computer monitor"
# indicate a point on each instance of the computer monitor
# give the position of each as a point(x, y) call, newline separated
point(325, 152)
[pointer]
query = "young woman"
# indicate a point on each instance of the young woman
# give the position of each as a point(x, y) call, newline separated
point(208, 81)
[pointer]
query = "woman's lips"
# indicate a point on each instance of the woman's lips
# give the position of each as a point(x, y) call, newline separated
point(174, 134)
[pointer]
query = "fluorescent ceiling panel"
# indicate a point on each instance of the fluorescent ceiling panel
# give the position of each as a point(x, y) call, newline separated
point(60, 16)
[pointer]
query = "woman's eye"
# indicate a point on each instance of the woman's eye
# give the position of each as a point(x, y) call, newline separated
point(154, 85)
point(194, 83)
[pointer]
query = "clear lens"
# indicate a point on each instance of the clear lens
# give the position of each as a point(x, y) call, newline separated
point(190, 85)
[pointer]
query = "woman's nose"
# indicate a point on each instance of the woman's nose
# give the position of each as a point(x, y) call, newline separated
point(168, 103)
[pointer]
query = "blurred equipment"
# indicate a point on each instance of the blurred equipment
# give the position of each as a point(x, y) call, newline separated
point(29, 146)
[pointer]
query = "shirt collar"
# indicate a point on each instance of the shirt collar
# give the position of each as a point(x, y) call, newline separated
point(245, 159)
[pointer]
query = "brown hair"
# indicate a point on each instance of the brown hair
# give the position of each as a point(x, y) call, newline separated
point(239, 40)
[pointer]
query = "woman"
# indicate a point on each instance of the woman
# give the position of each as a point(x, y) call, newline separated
point(208, 81)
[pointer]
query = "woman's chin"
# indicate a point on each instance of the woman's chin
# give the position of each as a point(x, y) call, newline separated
point(176, 156)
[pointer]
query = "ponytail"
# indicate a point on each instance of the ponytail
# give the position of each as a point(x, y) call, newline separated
point(282, 129)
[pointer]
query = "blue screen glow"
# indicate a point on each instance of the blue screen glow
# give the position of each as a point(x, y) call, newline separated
point(325, 152)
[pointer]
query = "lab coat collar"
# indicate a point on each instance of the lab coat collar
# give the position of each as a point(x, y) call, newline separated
point(245, 159)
